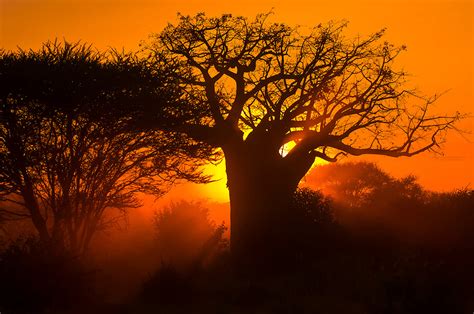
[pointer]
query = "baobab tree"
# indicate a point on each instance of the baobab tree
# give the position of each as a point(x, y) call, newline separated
point(278, 97)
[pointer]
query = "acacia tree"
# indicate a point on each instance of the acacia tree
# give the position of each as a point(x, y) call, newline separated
point(363, 184)
point(279, 97)
point(70, 151)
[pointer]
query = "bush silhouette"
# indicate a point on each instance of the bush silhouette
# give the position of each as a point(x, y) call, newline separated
point(186, 235)
point(34, 279)
point(312, 224)
point(332, 270)
point(369, 201)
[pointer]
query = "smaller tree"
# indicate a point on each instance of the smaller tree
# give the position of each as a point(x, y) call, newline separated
point(379, 206)
point(72, 147)
point(187, 235)
point(363, 184)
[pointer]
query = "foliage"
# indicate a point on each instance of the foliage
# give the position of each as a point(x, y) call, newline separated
point(362, 184)
point(337, 271)
point(325, 92)
point(186, 236)
point(278, 97)
point(34, 279)
point(368, 200)
point(72, 145)
point(316, 207)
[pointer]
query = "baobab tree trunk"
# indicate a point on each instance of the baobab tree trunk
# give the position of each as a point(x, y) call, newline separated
point(261, 187)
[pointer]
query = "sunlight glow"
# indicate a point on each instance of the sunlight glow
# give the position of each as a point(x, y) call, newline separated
point(217, 190)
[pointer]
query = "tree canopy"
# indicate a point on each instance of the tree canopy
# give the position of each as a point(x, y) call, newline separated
point(329, 94)
point(276, 97)
point(74, 141)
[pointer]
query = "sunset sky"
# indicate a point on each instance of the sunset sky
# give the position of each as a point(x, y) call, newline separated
point(438, 33)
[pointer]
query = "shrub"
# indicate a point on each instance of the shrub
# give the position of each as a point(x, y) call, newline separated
point(34, 279)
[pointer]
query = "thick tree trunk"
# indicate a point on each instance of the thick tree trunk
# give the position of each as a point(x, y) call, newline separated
point(261, 187)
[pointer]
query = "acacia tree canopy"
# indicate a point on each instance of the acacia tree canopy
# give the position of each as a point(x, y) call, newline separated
point(74, 143)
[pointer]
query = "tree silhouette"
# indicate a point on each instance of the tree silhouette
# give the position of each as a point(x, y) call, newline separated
point(186, 234)
point(279, 97)
point(368, 199)
point(69, 151)
point(364, 184)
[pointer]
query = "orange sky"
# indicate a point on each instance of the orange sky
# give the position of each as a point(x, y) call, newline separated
point(438, 33)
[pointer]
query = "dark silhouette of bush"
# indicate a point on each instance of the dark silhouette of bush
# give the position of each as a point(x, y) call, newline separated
point(186, 235)
point(167, 286)
point(332, 270)
point(189, 243)
point(36, 280)
point(383, 209)
point(312, 227)
point(313, 207)
point(450, 218)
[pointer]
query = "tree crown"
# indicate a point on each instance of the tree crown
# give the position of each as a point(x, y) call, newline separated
point(326, 93)
point(73, 145)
